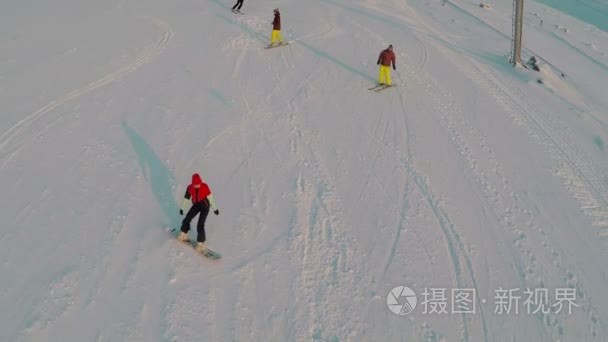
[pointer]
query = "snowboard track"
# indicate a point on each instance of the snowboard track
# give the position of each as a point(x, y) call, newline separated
point(572, 166)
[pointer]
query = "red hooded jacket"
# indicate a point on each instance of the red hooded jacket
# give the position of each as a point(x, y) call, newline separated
point(198, 190)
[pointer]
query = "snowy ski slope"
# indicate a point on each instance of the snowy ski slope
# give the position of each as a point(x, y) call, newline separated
point(469, 174)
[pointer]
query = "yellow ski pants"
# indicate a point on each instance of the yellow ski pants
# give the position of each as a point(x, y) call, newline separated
point(276, 37)
point(384, 75)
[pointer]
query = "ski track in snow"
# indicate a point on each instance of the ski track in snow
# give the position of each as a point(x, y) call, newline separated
point(572, 166)
point(447, 111)
point(84, 289)
point(25, 127)
point(588, 196)
point(325, 271)
point(454, 244)
point(577, 169)
point(581, 176)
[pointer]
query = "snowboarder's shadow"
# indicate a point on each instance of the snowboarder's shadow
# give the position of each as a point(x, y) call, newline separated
point(155, 171)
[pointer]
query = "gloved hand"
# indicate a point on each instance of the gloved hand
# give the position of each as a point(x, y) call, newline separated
point(216, 212)
point(181, 211)
point(394, 68)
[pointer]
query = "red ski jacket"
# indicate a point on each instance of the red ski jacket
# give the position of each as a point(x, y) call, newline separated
point(276, 23)
point(198, 190)
point(386, 58)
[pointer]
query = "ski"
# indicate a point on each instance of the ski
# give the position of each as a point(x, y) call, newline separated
point(237, 12)
point(385, 87)
point(208, 253)
point(278, 45)
point(376, 86)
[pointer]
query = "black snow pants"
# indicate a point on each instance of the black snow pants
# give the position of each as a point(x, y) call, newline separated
point(238, 3)
point(203, 209)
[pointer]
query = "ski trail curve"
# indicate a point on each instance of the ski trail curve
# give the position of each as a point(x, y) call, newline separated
point(20, 127)
point(455, 245)
point(579, 173)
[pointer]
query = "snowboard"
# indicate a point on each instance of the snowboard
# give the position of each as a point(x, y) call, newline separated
point(382, 87)
point(275, 46)
point(211, 254)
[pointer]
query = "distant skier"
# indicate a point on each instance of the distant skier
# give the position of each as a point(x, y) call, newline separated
point(239, 3)
point(276, 29)
point(202, 200)
point(385, 59)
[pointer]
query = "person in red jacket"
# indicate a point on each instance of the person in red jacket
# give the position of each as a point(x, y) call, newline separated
point(386, 58)
point(276, 37)
point(202, 200)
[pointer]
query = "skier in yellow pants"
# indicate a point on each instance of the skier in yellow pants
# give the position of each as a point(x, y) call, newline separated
point(276, 37)
point(386, 58)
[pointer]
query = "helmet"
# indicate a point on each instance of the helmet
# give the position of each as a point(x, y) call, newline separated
point(390, 46)
point(276, 10)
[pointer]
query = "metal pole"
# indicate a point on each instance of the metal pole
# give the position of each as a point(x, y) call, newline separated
point(517, 30)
